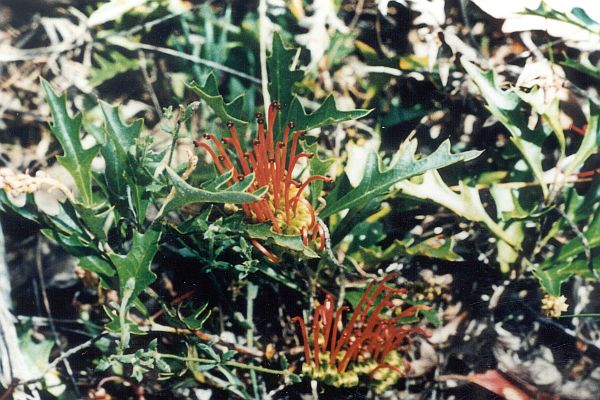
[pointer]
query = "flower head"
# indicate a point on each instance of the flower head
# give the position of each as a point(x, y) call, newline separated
point(47, 192)
point(554, 306)
point(367, 343)
point(272, 162)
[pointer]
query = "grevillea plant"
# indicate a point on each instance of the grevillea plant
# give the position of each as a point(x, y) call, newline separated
point(284, 205)
point(369, 343)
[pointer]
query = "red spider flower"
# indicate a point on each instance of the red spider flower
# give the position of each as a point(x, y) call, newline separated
point(284, 205)
point(366, 344)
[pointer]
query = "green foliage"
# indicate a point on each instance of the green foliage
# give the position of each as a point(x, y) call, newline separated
point(282, 78)
point(67, 131)
point(377, 180)
point(109, 68)
point(186, 194)
point(228, 112)
point(136, 264)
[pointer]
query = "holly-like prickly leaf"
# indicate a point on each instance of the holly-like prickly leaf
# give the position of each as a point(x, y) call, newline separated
point(228, 112)
point(582, 65)
point(317, 166)
point(326, 114)
point(290, 242)
point(197, 319)
point(108, 68)
point(66, 129)
point(282, 79)
point(122, 135)
point(122, 168)
point(187, 194)
point(377, 182)
point(505, 105)
point(135, 265)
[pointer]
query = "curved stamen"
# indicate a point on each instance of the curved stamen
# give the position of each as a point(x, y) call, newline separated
point(266, 252)
point(304, 233)
point(238, 147)
point(300, 322)
point(210, 151)
point(222, 152)
point(304, 185)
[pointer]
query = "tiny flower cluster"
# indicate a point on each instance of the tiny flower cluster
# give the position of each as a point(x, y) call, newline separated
point(47, 191)
point(272, 162)
point(554, 306)
point(368, 343)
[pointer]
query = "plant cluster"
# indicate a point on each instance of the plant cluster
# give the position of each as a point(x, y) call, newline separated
point(200, 231)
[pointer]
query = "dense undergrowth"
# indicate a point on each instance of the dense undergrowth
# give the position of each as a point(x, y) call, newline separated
point(321, 199)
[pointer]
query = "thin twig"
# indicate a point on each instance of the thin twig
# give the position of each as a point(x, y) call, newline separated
point(63, 357)
point(151, 91)
point(154, 327)
point(46, 301)
point(357, 13)
point(194, 59)
point(584, 241)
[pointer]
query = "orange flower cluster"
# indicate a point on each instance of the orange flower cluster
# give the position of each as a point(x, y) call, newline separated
point(284, 205)
point(369, 335)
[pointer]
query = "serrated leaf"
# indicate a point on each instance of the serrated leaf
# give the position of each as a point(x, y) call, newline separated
point(264, 232)
point(505, 106)
point(282, 79)
point(590, 143)
point(121, 165)
point(187, 194)
point(465, 203)
point(582, 65)
point(317, 166)
point(66, 130)
point(94, 219)
point(326, 114)
point(227, 112)
point(137, 262)
point(435, 248)
point(108, 68)
point(377, 182)
point(197, 319)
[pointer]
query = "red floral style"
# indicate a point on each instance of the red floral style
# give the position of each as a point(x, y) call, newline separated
point(371, 333)
point(272, 163)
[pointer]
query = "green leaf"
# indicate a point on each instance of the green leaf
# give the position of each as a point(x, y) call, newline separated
point(97, 265)
point(326, 114)
point(264, 232)
point(108, 68)
point(377, 182)
point(553, 277)
point(435, 248)
point(94, 219)
point(197, 319)
point(505, 106)
point(432, 248)
point(122, 167)
point(582, 65)
point(317, 166)
point(282, 79)
point(228, 112)
point(187, 194)
point(136, 263)
point(465, 203)
point(66, 129)
point(590, 143)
